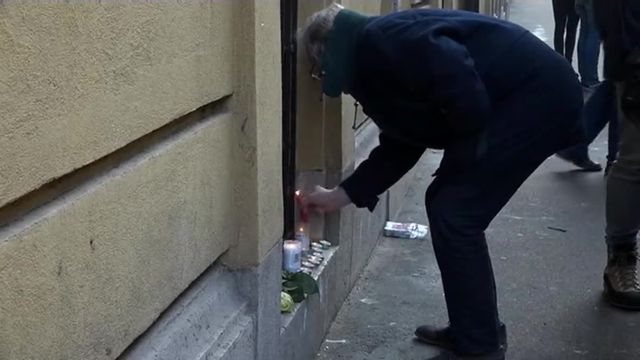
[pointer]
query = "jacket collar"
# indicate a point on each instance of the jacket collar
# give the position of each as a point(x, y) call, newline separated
point(339, 57)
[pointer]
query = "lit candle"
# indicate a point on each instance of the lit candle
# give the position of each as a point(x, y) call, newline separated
point(291, 255)
point(302, 236)
point(304, 214)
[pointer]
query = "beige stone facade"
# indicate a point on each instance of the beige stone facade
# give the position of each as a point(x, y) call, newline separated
point(130, 163)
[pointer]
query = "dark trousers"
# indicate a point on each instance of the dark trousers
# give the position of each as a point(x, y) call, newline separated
point(600, 109)
point(566, 27)
point(588, 44)
point(533, 122)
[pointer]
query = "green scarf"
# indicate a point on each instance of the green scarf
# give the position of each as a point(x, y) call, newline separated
point(338, 60)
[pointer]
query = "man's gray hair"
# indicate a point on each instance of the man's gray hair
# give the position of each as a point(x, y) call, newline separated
point(316, 31)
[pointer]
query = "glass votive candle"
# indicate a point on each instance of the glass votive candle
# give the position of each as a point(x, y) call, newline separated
point(292, 255)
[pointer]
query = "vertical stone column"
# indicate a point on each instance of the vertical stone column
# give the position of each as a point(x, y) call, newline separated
point(256, 250)
point(258, 153)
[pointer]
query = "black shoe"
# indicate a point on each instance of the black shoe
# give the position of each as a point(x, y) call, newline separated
point(447, 355)
point(440, 336)
point(607, 169)
point(585, 163)
point(621, 283)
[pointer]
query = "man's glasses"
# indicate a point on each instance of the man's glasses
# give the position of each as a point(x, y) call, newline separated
point(316, 72)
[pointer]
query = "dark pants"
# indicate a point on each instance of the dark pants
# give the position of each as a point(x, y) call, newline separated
point(566, 27)
point(600, 109)
point(533, 122)
point(588, 44)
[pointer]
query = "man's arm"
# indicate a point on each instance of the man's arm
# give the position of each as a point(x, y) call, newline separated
point(386, 164)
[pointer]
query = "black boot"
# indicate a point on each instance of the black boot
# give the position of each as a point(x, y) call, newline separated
point(607, 169)
point(441, 338)
point(447, 355)
point(621, 283)
point(583, 162)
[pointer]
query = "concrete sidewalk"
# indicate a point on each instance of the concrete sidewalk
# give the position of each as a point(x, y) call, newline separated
point(549, 281)
point(548, 253)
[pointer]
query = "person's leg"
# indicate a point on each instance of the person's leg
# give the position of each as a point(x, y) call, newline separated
point(457, 231)
point(460, 207)
point(579, 156)
point(572, 29)
point(582, 41)
point(588, 44)
point(599, 108)
point(465, 268)
point(565, 11)
point(614, 126)
point(464, 198)
point(613, 137)
point(560, 19)
point(622, 285)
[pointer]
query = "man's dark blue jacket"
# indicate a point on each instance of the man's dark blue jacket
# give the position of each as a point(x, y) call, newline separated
point(427, 78)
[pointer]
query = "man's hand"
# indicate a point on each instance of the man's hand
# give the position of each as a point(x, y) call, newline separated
point(326, 200)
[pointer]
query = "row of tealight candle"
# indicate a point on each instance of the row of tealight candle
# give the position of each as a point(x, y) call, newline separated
point(296, 260)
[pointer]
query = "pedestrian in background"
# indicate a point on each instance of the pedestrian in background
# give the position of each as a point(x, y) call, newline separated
point(566, 26)
point(619, 25)
point(600, 101)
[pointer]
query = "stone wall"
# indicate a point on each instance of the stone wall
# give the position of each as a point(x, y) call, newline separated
point(130, 163)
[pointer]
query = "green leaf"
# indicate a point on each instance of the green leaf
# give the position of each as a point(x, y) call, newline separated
point(297, 295)
point(299, 285)
point(287, 275)
point(291, 284)
point(308, 284)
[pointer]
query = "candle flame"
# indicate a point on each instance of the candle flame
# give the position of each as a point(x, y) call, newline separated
point(301, 229)
point(297, 192)
point(291, 244)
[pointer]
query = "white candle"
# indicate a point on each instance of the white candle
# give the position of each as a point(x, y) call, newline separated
point(291, 255)
point(302, 236)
